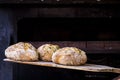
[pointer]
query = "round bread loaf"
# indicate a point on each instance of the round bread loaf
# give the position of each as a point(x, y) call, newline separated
point(46, 51)
point(69, 56)
point(22, 51)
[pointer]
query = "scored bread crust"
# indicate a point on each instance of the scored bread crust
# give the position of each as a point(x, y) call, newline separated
point(46, 51)
point(22, 51)
point(69, 56)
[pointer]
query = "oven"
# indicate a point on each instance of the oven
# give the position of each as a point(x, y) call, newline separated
point(88, 25)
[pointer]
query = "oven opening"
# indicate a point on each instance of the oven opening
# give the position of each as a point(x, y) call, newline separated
point(77, 30)
point(68, 29)
point(88, 34)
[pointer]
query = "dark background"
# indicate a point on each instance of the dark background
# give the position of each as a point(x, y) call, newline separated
point(69, 29)
point(35, 20)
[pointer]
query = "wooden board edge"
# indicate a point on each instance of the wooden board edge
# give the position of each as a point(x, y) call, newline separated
point(51, 64)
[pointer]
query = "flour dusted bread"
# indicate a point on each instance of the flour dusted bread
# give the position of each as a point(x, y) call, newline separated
point(22, 51)
point(69, 56)
point(46, 51)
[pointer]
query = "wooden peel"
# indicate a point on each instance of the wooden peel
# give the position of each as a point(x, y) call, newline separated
point(86, 67)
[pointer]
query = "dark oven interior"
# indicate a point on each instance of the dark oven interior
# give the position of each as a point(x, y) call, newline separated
point(93, 28)
point(94, 35)
point(68, 29)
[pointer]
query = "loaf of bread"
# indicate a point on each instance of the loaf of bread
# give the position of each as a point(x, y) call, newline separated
point(69, 56)
point(46, 51)
point(22, 51)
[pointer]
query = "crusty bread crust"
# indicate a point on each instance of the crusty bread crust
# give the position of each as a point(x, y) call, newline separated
point(22, 51)
point(69, 56)
point(46, 51)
